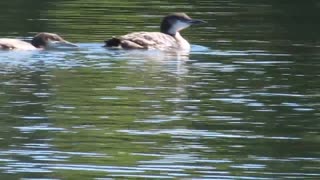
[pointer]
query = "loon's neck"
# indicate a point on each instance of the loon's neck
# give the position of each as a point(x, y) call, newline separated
point(184, 44)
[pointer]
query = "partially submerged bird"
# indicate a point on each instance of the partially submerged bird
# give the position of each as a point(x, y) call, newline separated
point(40, 41)
point(168, 38)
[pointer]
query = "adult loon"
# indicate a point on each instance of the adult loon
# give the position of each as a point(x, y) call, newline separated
point(168, 38)
point(42, 40)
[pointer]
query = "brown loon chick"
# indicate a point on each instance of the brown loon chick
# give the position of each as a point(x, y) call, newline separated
point(168, 39)
point(40, 41)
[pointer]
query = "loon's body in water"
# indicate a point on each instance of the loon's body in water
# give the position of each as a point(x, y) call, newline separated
point(40, 41)
point(168, 38)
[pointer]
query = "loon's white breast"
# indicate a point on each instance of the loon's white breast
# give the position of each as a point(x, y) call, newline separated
point(168, 39)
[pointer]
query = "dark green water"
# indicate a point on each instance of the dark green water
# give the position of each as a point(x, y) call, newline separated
point(243, 105)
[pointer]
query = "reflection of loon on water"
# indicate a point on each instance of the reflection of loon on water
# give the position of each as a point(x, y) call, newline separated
point(40, 41)
point(168, 39)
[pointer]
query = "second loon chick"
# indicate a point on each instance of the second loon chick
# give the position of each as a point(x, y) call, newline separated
point(168, 39)
point(40, 41)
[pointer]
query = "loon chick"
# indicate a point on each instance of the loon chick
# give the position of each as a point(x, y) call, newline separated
point(40, 41)
point(169, 38)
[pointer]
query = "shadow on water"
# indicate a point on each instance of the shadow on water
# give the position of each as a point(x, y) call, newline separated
point(244, 104)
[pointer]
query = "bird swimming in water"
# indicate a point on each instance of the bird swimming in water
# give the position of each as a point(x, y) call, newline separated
point(168, 38)
point(40, 41)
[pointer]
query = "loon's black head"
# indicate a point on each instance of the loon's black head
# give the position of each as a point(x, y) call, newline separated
point(50, 40)
point(176, 22)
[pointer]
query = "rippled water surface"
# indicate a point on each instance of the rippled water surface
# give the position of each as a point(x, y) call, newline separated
point(244, 104)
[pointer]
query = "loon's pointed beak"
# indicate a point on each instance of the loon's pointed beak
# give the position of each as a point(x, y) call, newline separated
point(61, 44)
point(65, 44)
point(196, 21)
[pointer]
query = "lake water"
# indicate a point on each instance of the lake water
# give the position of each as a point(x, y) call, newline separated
point(243, 105)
